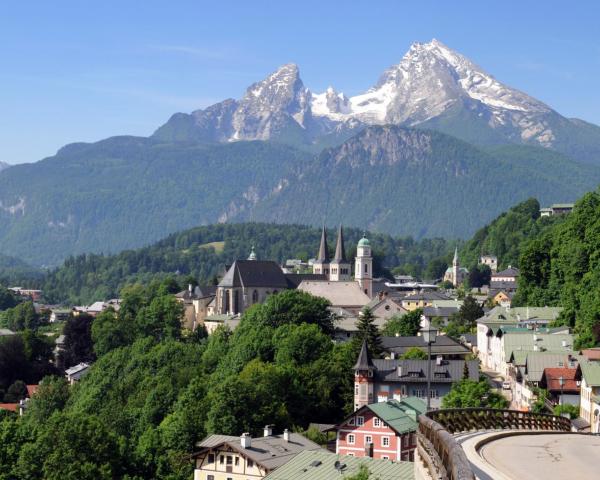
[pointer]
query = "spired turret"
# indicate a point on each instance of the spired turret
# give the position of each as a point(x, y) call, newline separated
point(321, 265)
point(339, 268)
point(363, 268)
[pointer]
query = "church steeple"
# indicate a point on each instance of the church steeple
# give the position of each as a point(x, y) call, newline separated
point(339, 269)
point(340, 250)
point(455, 260)
point(323, 255)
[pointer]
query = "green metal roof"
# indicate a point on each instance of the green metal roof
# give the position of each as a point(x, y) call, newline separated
point(591, 373)
point(319, 465)
point(399, 415)
point(363, 242)
point(545, 342)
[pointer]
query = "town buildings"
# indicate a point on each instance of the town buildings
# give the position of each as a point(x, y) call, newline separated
point(224, 457)
point(384, 430)
point(456, 274)
point(380, 380)
point(590, 394)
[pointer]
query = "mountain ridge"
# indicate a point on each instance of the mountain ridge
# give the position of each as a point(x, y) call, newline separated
point(431, 86)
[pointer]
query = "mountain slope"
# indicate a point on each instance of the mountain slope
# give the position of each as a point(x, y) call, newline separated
point(127, 191)
point(433, 87)
point(420, 182)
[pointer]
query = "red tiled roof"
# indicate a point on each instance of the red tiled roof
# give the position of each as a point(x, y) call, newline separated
point(13, 407)
point(552, 375)
point(591, 353)
point(31, 389)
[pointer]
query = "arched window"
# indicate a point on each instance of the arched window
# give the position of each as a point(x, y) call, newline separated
point(254, 296)
point(366, 268)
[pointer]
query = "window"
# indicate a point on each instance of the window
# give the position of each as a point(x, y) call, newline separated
point(405, 440)
point(376, 422)
point(366, 268)
point(356, 389)
point(350, 439)
point(418, 393)
point(237, 461)
point(221, 459)
point(360, 421)
point(250, 463)
point(368, 439)
point(385, 457)
point(385, 441)
point(210, 477)
point(254, 296)
point(351, 421)
point(433, 393)
point(229, 459)
point(350, 454)
point(211, 458)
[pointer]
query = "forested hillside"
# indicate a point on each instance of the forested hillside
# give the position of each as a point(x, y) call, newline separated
point(561, 266)
point(507, 235)
point(127, 192)
point(203, 253)
point(152, 394)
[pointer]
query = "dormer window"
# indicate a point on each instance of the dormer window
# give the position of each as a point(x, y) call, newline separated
point(414, 374)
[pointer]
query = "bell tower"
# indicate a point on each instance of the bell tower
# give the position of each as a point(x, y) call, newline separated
point(363, 268)
point(364, 373)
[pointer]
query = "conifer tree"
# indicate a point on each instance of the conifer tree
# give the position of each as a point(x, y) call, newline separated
point(369, 331)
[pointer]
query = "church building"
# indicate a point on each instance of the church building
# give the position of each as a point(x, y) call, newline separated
point(456, 274)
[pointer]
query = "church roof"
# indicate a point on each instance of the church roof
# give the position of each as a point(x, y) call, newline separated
point(339, 294)
point(323, 255)
point(364, 358)
point(254, 273)
point(364, 242)
point(340, 251)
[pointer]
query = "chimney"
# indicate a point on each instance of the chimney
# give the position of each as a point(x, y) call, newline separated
point(393, 355)
point(246, 440)
point(190, 287)
point(286, 435)
point(564, 343)
point(438, 360)
point(268, 430)
point(399, 370)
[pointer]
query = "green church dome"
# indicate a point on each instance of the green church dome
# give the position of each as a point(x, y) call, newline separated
point(364, 242)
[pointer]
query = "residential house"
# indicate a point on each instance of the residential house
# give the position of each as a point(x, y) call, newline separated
point(212, 322)
point(32, 294)
point(382, 380)
point(384, 430)
point(59, 315)
point(324, 465)
point(77, 372)
point(386, 306)
point(444, 346)
point(195, 302)
point(563, 385)
point(491, 261)
point(505, 280)
point(557, 209)
point(422, 299)
point(224, 457)
point(589, 408)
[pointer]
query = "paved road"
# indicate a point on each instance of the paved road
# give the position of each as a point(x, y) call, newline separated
point(547, 457)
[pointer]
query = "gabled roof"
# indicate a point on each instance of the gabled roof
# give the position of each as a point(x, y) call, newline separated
point(509, 272)
point(254, 273)
point(270, 452)
point(443, 345)
point(364, 358)
point(401, 416)
point(427, 295)
point(537, 362)
point(590, 371)
point(80, 367)
point(295, 279)
point(415, 371)
point(320, 465)
point(529, 340)
point(551, 379)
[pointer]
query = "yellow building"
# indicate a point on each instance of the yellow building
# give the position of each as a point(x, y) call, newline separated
point(224, 457)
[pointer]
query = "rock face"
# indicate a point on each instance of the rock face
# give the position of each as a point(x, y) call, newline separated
point(432, 86)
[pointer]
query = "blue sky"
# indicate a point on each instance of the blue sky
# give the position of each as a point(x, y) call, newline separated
point(82, 70)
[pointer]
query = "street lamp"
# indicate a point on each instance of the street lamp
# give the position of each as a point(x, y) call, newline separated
point(429, 335)
point(561, 382)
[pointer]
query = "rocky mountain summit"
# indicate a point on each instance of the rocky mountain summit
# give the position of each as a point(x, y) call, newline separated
point(433, 86)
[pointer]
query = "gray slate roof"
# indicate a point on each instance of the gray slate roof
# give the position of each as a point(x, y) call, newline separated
point(427, 295)
point(254, 273)
point(443, 345)
point(450, 371)
point(269, 452)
